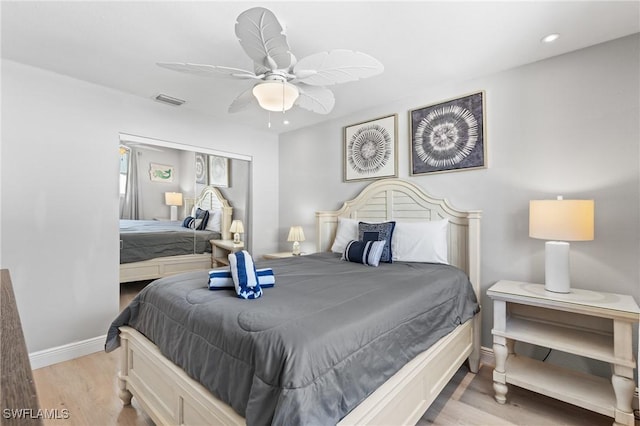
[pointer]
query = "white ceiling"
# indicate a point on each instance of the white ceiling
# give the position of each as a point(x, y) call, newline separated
point(421, 44)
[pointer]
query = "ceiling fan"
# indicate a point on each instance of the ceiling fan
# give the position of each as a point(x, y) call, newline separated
point(283, 80)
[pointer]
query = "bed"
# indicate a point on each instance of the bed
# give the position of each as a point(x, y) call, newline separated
point(156, 249)
point(171, 396)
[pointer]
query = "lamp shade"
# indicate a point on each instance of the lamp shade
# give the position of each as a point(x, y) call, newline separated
point(173, 198)
point(296, 234)
point(275, 95)
point(237, 227)
point(561, 220)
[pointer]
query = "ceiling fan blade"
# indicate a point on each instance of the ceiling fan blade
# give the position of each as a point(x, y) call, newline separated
point(260, 69)
point(336, 66)
point(316, 99)
point(243, 100)
point(208, 70)
point(261, 37)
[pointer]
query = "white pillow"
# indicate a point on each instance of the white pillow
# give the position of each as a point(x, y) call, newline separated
point(421, 241)
point(213, 224)
point(347, 231)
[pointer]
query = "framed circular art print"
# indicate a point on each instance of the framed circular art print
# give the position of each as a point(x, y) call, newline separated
point(448, 136)
point(370, 149)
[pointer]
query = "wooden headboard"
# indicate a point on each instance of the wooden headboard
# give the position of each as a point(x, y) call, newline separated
point(211, 199)
point(396, 199)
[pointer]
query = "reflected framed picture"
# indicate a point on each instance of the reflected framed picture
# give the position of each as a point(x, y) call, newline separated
point(448, 136)
point(370, 149)
point(201, 168)
point(161, 172)
point(218, 171)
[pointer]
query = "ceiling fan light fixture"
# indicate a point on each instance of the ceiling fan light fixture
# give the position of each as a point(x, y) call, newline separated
point(276, 95)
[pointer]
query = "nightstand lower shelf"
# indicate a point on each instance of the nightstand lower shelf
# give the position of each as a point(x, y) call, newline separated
point(587, 391)
point(589, 324)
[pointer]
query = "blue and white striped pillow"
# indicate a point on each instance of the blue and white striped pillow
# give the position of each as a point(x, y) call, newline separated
point(243, 272)
point(365, 252)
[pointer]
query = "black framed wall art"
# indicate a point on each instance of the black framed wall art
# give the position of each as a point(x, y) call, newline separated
point(370, 149)
point(448, 136)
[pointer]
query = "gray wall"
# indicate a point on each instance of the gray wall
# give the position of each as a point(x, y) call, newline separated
point(59, 193)
point(567, 125)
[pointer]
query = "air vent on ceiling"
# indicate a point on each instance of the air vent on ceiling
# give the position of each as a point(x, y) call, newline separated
point(169, 100)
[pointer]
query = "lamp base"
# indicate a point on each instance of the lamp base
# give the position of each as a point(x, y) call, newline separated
point(174, 213)
point(556, 267)
point(236, 239)
point(296, 248)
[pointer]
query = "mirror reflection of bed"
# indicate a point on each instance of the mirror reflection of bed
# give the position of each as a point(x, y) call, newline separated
point(154, 240)
point(158, 248)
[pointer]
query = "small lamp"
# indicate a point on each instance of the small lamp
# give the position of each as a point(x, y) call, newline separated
point(237, 228)
point(296, 234)
point(173, 199)
point(564, 220)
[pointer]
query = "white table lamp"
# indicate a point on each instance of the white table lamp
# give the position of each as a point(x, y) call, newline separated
point(173, 199)
point(560, 221)
point(237, 228)
point(296, 234)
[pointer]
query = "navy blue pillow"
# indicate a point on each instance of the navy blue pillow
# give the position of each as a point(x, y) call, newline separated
point(203, 216)
point(378, 232)
point(367, 253)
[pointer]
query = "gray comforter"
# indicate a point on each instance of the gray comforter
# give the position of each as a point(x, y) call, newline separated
point(311, 348)
point(148, 239)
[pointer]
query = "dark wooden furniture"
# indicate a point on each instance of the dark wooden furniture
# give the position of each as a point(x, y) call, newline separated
point(19, 399)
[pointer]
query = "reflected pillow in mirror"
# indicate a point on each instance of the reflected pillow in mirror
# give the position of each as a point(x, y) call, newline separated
point(203, 217)
point(213, 224)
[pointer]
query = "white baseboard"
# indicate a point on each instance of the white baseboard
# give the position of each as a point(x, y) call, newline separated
point(487, 358)
point(66, 352)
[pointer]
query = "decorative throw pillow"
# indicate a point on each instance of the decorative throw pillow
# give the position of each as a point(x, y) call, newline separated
point(365, 252)
point(203, 217)
point(245, 278)
point(378, 232)
point(192, 222)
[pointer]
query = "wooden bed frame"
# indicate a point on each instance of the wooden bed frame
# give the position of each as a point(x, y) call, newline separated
point(210, 198)
point(169, 396)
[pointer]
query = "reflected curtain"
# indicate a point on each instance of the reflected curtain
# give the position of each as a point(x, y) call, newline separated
point(132, 203)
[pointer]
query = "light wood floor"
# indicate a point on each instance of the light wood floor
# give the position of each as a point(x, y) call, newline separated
point(87, 387)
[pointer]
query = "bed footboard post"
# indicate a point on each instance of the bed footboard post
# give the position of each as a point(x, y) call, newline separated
point(124, 393)
point(474, 275)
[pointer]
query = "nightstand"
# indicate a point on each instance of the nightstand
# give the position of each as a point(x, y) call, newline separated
point(591, 324)
point(220, 249)
point(280, 255)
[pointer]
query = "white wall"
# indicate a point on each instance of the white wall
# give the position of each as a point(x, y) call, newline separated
point(568, 125)
point(59, 193)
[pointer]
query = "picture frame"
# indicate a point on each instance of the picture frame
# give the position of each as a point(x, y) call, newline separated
point(161, 172)
point(202, 169)
point(448, 136)
point(370, 149)
point(218, 171)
